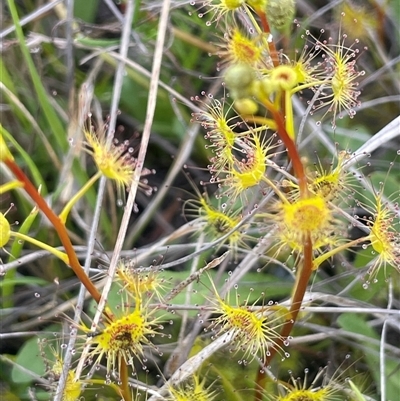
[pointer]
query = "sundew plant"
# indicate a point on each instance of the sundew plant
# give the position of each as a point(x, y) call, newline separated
point(200, 200)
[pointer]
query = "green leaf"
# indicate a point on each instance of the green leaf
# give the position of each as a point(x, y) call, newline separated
point(86, 10)
point(356, 324)
point(29, 280)
point(42, 96)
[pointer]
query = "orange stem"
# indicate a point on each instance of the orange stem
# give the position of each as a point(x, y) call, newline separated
point(290, 146)
point(303, 274)
point(265, 26)
point(58, 225)
point(303, 277)
point(123, 375)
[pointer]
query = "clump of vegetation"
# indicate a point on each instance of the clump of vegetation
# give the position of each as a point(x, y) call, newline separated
point(200, 201)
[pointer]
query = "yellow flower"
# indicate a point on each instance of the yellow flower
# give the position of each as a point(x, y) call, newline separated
point(306, 216)
point(253, 331)
point(332, 183)
point(5, 230)
point(192, 390)
point(250, 171)
point(297, 390)
point(115, 161)
point(302, 218)
point(241, 48)
point(283, 77)
point(344, 75)
point(217, 221)
point(218, 8)
point(384, 235)
point(123, 338)
point(140, 283)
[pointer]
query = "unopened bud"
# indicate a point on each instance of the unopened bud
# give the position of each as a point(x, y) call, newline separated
point(246, 106)
point(239, 79)
point(5, 230)
point(280, 13)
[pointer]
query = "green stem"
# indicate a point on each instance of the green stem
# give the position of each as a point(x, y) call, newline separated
point(321, 258)
point(9, 186)
point(65, 212)
point(15, 251)
point(307, 86)
point(289, 122)
point(276, 189)
point(61, 255)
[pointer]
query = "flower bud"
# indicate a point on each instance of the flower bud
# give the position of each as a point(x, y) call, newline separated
point(246, 106)
point(5, 231)
point(284, 77)
point(267, 86)
point(239, 78)
point(280, 13)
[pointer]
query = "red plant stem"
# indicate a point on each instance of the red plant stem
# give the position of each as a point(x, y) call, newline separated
point(58, 226)
point(303, 274)
point(272, 49)
point(291, 148)
point(123, 375)
point(303, 277)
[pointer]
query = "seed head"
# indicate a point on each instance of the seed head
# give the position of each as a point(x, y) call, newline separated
point(280, 13)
